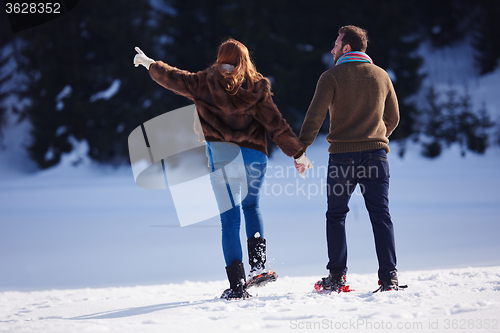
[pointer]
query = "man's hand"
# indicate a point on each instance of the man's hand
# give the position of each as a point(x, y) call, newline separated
point(302, 164)
point(141, 59)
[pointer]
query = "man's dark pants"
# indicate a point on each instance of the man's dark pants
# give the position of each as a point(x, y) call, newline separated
point(369, 169)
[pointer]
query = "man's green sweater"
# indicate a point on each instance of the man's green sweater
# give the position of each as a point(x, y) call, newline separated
point(363, 108)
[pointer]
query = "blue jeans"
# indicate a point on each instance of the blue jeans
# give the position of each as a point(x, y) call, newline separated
point(235, 181)
point(369, 169)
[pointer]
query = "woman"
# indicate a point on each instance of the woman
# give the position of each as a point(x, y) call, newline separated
point(236, 110)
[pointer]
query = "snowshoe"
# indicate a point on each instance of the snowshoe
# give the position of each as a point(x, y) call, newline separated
point(332, 283)
point(261, 278)
point(389, 287)
point(235, 295)
point(390, 284)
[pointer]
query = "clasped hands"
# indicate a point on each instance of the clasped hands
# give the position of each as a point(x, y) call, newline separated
point(302, 164)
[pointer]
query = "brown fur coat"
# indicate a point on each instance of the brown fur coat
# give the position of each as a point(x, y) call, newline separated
point(244, 118)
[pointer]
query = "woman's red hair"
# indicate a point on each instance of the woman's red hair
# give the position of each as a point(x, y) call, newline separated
point(235, 53)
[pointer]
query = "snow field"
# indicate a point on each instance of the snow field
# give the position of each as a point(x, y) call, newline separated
point(85, 250)
point(436, 301)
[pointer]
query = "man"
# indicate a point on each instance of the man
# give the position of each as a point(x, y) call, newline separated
point(363, 114)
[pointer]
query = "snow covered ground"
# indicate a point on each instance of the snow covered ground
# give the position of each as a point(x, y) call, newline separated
point(463, 300)
point(85, 249)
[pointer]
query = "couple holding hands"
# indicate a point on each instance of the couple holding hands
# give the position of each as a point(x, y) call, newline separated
point(234, 103)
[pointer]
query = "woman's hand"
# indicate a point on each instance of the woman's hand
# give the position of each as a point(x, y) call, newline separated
point(302, 164)
point(141, 59)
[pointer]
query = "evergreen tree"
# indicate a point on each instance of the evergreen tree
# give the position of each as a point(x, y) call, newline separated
point(487, 37)
point(4, 90)
point(81, 81)
point(6, 71)
point(81, 84)
point(275, 39)
point(432, 122)
point(291, 38)
point(282, 46)
point(454, 121)
point(393, 45)
point(445, 22)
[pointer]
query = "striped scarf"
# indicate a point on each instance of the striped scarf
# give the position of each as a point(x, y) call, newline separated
point(354, 56)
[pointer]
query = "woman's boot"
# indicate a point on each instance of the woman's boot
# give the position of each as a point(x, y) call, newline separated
point(259, 275)
point(237, 283)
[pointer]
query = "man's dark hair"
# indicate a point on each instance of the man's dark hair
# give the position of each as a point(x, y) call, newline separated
point(354, 36)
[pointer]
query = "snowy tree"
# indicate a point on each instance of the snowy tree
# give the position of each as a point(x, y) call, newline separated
point(487, 37)
point(6, 71)
point(81, 85)
point(81, 82)
point(453, 121)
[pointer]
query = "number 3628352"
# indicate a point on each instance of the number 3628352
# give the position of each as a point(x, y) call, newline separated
point(33, 8)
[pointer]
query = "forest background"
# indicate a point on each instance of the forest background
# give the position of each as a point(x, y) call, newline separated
point(73, 80)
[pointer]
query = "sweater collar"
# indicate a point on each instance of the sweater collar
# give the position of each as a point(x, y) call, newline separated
point(354, 56)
